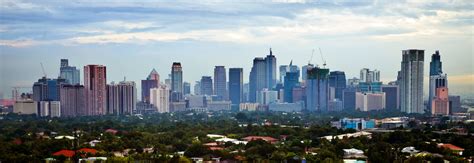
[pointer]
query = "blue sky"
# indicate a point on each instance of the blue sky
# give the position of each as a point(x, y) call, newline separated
point(133, 37)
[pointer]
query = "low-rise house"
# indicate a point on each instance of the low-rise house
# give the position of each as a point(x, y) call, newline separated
point(265, 138)
point(455, 149)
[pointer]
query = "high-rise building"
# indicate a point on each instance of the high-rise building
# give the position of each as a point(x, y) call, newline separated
point(206, 85)
point(437, 78)
point(121, 98)
point(288, 68)
point(349, 97)
point(246, 92)
point(436, 66)
point(369, 76)
point(354, 82)
point(440, 104)
point(95, 79)
point(392, 100)
point(317, 89)
point(304, 71)
point(270, 62)
point(236, 85)
point(411, 84)
point(367, 101)
point(160, 97)
point(370, 86)
point(337, 80)
point(455, 104)
point(220, 82)
point(73, 102)
point(267, 96)
point(177, 81)
point(197, 87)
point(70, 73)
point(291, 81)
point(186, 88)
point(257, 78)
point(46, 89)
point(152, 81)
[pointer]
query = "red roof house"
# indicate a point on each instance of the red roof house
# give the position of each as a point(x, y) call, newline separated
point(451, 147)
point(64, 152)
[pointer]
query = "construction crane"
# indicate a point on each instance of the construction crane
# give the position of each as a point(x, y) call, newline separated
point(42, 67)
point(311, 59)
point(322, 58)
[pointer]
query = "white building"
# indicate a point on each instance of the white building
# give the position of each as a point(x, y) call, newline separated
point(370, 101)
point(266, 97)
point(159, 97)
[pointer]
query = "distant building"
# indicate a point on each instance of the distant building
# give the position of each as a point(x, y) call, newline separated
point(291, 81)
point(70, 73)
point(337, 80)
point(356, 123)
point(270, 62)
point(262, 75)
point(218, 105)
point(25, 107)
point(236, 85)
point(121, 98)
point(411, 82)
point(186, 88)
point(46, 89)
point(304, 71)
point(286, 107)
point(370, 86)
point(73, 101)
point(335, 105)
point(317, 89)
point(267, 97)
point(436, 81)
point(288, 68)
point(95, 79)
point(455, 104)
point(220, 82)
point(354, 82)
point(349, 98)
point(196, 101)
point(370, 101)
point(49, 109)
point(178, 106)
point(197, 87)
point(152, 81)
point(177, 81)
point(299, 94)
point(392, 94)
point(249, 106)
point(369, 76)
point(206, 85)
point(160, 98)
point(440, 104)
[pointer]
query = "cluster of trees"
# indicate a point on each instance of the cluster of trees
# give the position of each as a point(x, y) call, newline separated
point(171, 133)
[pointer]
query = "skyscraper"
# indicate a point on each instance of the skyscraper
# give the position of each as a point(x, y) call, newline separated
point(291, 81)
point(304, 71)
point(257, 78)
point(369, 76)
point(160, 98)
point(220, 82)
point(440, 104)
point(46, 89)
point(236, 85)
point(288, 68)
point(270, 62)
point(121, 98)
point(186, 88)
point(411, 84)
point(391, 96)
point(72, 101)
point(197, 87)
point(70, 73)
point(177, 81)
point(95, 89)
point(317, 89)
point(206, 85)
point(152, 81)
point(437, 78)
point(337, 79)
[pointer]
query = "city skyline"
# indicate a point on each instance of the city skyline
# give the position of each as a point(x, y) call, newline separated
point(383, 30)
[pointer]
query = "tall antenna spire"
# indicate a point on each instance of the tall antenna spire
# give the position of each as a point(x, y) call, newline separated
point(271, 51)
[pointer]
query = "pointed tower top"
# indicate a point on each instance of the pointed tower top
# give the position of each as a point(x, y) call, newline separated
point(271, 51)
point(291, 63)
point(153, 75)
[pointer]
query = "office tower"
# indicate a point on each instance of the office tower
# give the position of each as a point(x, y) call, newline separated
point(121, 98)
point(337, 80)
point(206, 85)
point(168, 81)
point(455, 104)
point(70, 73)
point(436, 81)
point(367, 101)
point(270, 62)
point(299, 94)
point(370, 86)
point(283, 69)
point(437, 78)
point(369, 76)
point(246, 92)
point(177, 81)
point(354, 82)
point(291, 81)
point(197, 88)
point(267, 96)
point(73, 101)
point(288, 68)
point(304, 71)
point(220, 82)
point(46, 89)
point(257, 78)
point(49, 109)
point(186, 88)
point(411, 84)
point(236, 81)
point(152, 81)
point(160, 98)
point(317, 89)
point(392, 100)
point(95, 79)
point(440, 104)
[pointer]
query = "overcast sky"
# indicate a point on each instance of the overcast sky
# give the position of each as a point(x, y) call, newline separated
point(132, 38)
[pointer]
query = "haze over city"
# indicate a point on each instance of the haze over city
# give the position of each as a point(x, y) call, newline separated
point(133, 38)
